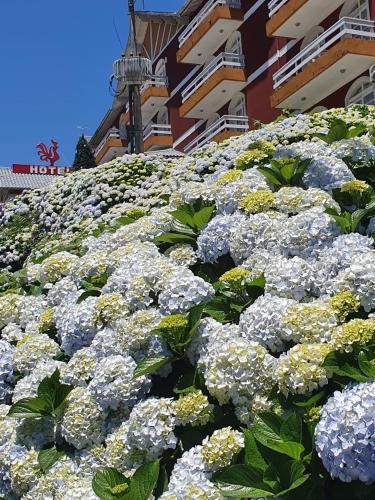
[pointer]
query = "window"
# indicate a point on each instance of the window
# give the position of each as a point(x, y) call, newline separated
point(162, 117)
point(318, 109)
point(234, 44)
point(213, 118)
point(361, 92)
point(356, 8)
point(160, 69)
point(123, 132)
point(237, 106)
point(311, 36)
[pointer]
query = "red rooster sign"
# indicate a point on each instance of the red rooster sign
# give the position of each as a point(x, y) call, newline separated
point(49, 154)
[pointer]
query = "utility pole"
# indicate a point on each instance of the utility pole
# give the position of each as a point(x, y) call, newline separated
point(133, 69)
point(135, 109)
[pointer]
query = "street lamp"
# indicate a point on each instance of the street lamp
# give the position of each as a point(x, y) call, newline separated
point(132, 70)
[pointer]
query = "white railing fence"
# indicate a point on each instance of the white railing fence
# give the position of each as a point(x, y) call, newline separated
point(112, 133)
point(155, 81)
point(208, 7)
point(347, 27)
point(275, 5)
point(225, 59)
point(156, 129)
point(232, 123)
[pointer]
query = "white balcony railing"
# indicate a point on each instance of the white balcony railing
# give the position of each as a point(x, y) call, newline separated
point(155, 81)
point(225, 59)
point(275, 5)
point(209, 7)
point(156, 129)
point(112, 133)
point(225, 123)
point(347, 27)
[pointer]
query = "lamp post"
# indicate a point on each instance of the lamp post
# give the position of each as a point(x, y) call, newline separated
point(133, 69)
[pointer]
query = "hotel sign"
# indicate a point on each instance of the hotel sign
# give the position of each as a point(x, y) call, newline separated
point(39, 169)
point(49, 155)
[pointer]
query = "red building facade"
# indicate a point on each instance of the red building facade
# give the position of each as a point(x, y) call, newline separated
point(219, 66)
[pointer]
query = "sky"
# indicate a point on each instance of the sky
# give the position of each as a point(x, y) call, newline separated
point(55, 62)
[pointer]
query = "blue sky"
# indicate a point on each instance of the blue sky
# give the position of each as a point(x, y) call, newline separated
point(56, 58)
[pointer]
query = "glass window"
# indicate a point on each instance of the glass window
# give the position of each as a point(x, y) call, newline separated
point(363, 92)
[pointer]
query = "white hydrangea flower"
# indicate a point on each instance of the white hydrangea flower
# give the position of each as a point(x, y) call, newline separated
point(113, 385)
point(27, 386)
point(9, 309)
point(289, 278)
point(256, 231)
point(346, 249)
point(306, 234)
point(262, 321)
point(325, 171)
point(76, 489)
point(63, 291)
point(80, 368)
point(234, 368)
point(147, 433)
point(182, 254)
point(57, 266)
point(293, 200)
point(219, 449)
point(300, 370)
point(12, 332)
point(90, 460)
point(23, 469)
point(31, 350)
point(228, 196)
point(190, 478)
point(359, 278)
point(345, 434)
point(75, 324)
point(194, 409)
point(82, 422)
point(133, 333)
point(213, 242)
point(312, 322)
point(54, 481)
point(6, 370)
point(183, 291)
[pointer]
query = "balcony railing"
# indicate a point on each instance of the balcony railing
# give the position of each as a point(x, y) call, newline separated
point(275, 5)
point(155, 81)
point(223, 60)
point(225, 123)
point(112, 133)
point(347, 27)
point(209, 7)
point(156, 129)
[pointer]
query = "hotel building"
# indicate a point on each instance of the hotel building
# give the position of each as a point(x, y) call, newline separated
point(220, 66)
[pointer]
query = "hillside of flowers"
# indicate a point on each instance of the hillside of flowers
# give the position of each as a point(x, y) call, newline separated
point(196, 328)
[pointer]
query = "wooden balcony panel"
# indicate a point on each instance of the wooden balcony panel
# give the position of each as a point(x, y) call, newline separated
point(297, 17)
point(336, 67)
point(206, 39)
point(216, 90)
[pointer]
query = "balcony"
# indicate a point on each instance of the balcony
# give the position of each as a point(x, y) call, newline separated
point(212, 26)
point(294, 18)
point(154, 94)
point(214, 86)
point(157, 136)
point(225, 127)
point(110, 147)
point(338, 56)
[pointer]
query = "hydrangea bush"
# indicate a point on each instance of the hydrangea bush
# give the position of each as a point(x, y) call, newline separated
point(196, 328)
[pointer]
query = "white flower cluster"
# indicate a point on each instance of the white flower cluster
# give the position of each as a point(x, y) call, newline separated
point(94, 291)
point(345, 435)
